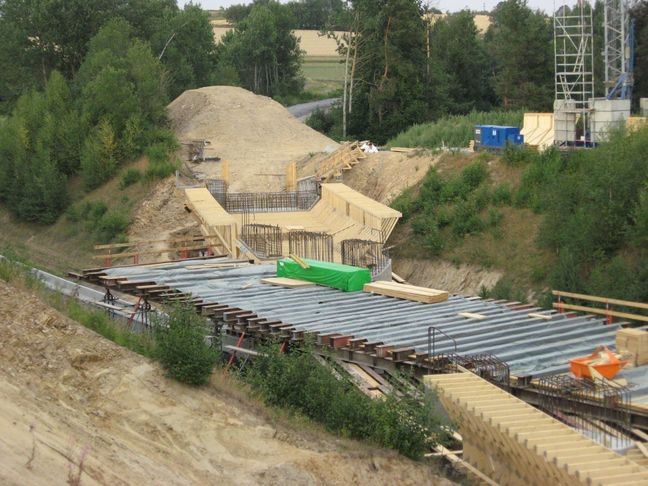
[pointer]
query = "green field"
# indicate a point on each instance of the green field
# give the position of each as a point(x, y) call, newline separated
point(323, 74)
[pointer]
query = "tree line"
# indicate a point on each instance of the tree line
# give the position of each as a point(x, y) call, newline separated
point(85, 85)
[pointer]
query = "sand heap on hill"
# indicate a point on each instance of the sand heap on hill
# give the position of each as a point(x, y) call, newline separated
point(257, 135)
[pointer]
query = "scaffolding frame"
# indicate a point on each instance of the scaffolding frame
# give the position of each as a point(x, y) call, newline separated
point(574, 67)
point(618, 50)
point(366, 254)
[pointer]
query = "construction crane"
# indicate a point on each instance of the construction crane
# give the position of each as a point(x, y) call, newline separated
point(618, 50)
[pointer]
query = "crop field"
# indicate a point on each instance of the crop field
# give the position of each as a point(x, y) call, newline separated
point(321, 68)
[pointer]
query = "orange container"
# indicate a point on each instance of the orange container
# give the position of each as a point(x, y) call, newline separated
point(581, 367)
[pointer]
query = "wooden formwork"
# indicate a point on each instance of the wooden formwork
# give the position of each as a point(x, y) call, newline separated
point(214, 220)
point(514, 443)
point(360, 208)
point(344, 158)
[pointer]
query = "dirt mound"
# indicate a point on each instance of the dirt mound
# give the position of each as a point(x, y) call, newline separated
point(68, 396)
point(257, 135)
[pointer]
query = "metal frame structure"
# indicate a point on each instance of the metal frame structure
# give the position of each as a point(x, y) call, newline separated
point(310, 244)
point(618, 50)
point(366, 254)
point(264, 240)
point(570, 399)
point(263, 202)
point(574, 66)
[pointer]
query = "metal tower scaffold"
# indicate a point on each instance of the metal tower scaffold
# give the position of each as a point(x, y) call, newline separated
point(618, 51)
point(574, 71)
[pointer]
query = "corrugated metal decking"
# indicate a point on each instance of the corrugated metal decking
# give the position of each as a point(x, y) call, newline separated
point(530, 345)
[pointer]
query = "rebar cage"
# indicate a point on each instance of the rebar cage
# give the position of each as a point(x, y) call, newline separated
point(571, 400)
point(264, 240)
point(263, 202)
point(366, 254)
point(308, 244)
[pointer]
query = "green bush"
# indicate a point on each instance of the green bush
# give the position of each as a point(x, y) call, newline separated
point(181, 346)
point(475, 174)
point(465, 220)
point(502, 195)
point(129, 177)
point(111, 226)
point(299, 382)
point(494, 218)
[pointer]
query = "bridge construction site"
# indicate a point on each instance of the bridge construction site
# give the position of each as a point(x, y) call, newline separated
point(312, 265)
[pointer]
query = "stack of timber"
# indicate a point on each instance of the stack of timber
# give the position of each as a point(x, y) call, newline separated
point(407, 292)
point(514, 443)
point(634, 342)
point(344, 158)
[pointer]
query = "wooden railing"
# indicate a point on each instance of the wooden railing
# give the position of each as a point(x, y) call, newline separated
point(181, 246)
point(607, 311)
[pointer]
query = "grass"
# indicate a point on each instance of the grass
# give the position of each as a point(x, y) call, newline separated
point(453, 131)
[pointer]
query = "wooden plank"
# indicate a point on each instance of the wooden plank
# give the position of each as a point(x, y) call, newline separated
point(299, 261)
point(290, 283)
point(148, 242)
point(604, 312)
point(535, 315)
point(404, 150)
point(471, 315)
point(426, 296)
point(603, 300)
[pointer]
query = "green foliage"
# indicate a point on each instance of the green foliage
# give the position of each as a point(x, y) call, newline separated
point(392, 89)
point(458, 49)
point(99, 156)
point(181, 346)
point(263, 50)
point(516, 35)
point(300, 382)
point(129, 177)
point(502, 195)
point(104, 225)
point(452, 131)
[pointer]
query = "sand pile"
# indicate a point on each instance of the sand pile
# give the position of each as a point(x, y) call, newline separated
point(257, 135)
point(69, 397)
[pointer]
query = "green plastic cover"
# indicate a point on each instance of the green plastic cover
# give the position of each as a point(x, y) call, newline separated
point(343, 277)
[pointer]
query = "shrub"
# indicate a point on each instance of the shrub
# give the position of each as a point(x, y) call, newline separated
point(465, 220)
point(300, 382)
point(111, 226)
point(404, 203)
point(181, 347)
point(130, 177)
point(502, 195)
point(433, 242)
point(474, 174)
point(494, 218)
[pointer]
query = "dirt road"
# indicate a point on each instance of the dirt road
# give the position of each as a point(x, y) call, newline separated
point(69, 396)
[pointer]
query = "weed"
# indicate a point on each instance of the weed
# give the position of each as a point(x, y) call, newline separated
point(129, 177)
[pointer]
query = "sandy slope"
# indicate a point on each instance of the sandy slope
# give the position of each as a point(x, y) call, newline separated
point(257, 135)
point(84, 397)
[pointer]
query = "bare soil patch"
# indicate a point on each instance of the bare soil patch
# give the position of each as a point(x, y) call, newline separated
point(68, 396)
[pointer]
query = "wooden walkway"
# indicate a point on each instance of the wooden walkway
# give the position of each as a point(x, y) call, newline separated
point(514, 443)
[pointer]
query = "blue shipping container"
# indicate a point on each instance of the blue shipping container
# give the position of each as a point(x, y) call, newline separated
point(497, 137)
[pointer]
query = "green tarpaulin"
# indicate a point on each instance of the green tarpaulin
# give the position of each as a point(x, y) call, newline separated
point(343, 277)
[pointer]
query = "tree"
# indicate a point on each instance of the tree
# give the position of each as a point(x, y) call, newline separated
point(520, 43)
point(185, 45)
point(391, 90)
point(264, 51)
point(458, 50)
point(640, 15)
point(99, 157)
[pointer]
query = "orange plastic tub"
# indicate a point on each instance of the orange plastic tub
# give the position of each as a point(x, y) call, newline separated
point(581, 366)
